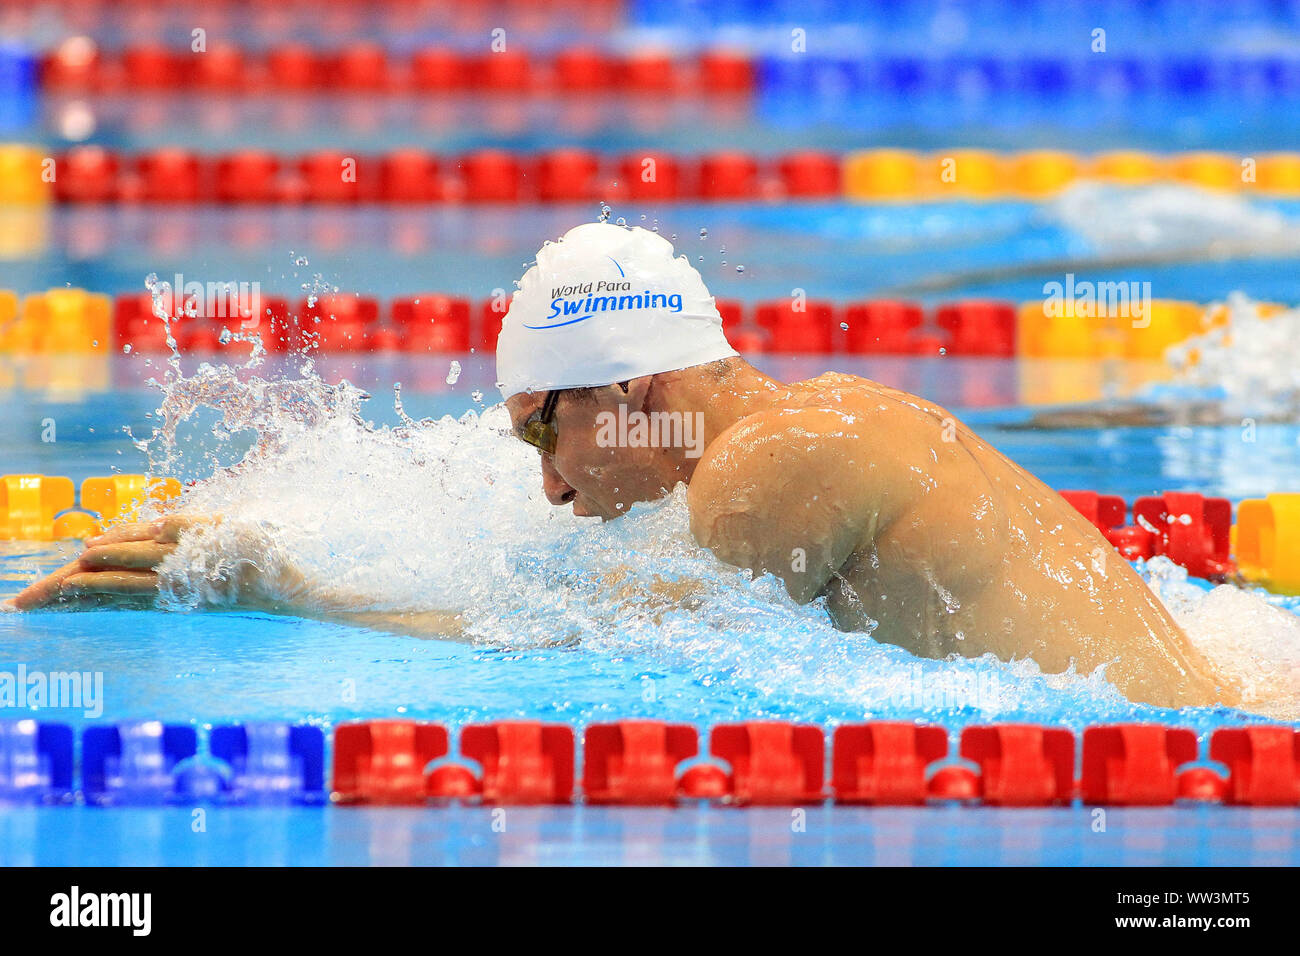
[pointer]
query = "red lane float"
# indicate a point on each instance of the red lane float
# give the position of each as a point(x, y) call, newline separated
point(383, 761)
point(979, 327)
point(78, 66)
point(884, 762)
point(1263, 764)
point(431, 323)
point(1134, 764)
point(728, 175)
point(341, 323)
point(881, 326)
point(810, 175)
point(524, 762)
point(634, 762)
point(772, 762)
point(1191, 530)
point(1021, 765)
point(799, 326)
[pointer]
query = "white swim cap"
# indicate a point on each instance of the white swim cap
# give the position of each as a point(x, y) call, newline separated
point(603, 305)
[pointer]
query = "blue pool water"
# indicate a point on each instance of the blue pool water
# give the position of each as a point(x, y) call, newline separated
point(768, 660)
point(449, 512)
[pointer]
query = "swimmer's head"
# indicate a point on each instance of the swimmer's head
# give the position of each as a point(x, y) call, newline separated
point(606, 358)
point(603, 305)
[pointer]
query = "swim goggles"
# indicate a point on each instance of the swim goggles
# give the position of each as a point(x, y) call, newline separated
point(539, 430)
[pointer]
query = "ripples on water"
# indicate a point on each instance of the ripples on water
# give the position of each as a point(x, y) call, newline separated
point(449, 514)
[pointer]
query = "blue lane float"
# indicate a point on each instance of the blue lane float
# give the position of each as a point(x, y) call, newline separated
point(35, 762)
point(134, 763)
point(271, 762)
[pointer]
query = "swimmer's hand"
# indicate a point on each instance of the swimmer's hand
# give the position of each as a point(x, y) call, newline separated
point(119, 564)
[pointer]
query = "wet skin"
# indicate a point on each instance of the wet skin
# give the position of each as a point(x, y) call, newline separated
point(911, 525)
point(907, 522)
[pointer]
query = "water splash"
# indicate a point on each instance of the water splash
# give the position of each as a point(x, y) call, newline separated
point(1248, 363)
point(1165, 218)
point(449, 515)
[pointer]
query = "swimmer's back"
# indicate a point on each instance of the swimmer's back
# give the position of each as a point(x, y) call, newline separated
point(915, 528)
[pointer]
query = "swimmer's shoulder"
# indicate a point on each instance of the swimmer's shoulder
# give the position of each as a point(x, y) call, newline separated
point(812, 449)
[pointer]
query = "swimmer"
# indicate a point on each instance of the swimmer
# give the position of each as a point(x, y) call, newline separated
point(613, 364)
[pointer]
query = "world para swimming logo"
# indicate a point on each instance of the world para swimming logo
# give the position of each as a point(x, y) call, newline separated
point(571, 304)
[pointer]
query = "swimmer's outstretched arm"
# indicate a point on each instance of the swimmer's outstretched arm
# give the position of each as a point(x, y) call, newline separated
point(120, 566)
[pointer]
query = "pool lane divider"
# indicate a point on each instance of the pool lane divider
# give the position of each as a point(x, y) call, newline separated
point(73, 321)
point(43, 507)
point(648, 763)
point(78, 67)
point(1191, 530)
point(177, 176)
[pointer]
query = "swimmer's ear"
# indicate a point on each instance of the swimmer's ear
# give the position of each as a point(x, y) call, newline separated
point(636, 391)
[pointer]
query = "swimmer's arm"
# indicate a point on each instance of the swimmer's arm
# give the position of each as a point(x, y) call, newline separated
point(421, 624)
point(785, 493)
point(120, 565)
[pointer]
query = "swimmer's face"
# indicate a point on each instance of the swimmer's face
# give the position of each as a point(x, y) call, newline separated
point(595, 477)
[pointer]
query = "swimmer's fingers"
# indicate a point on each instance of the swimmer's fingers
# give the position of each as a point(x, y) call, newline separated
point(165, 530)
point(168, 529)
point(130, 531)
point(46, 590)
point(109, 584)
point(129, 555)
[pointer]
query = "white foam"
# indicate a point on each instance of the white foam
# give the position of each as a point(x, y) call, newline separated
point(1125, 219)
point(1249, 363)
point(1244, 634)
point(449, 515)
